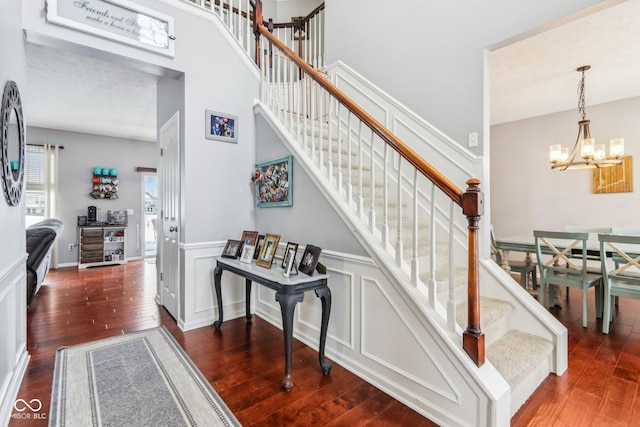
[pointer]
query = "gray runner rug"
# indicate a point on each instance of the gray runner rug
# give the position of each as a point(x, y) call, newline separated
point(137, 379)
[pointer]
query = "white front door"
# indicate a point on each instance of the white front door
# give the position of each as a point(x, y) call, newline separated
point(169, 260)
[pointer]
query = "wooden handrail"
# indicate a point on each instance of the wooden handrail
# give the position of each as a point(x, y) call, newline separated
point(418, 162)
point(471, 201)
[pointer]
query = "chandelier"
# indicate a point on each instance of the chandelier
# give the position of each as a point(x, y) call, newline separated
point(585, 153)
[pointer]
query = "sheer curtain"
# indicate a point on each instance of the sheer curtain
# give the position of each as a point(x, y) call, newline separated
point(41, 182)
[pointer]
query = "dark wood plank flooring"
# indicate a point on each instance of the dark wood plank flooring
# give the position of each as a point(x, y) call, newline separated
point(243, 361)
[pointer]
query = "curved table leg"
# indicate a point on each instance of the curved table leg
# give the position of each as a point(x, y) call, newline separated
point(217, 276)
point(287, 306)
point(325, 297)
point(247, 297)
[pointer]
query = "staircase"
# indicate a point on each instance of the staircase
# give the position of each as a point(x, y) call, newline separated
point(523, 359)
point(411, 224)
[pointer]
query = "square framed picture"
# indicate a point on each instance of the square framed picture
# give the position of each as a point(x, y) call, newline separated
point(268, 250)
point(273, 181)
point(285, 258)
point(232, 249)
point(221, 126)
point(250, 238)
point(309, 259)
point(247, 253)
point(258, 246)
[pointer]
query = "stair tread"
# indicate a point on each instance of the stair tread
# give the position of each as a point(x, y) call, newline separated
point(517, 353)
point(491, 311)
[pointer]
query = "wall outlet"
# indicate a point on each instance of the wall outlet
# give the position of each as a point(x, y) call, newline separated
point(71, 245)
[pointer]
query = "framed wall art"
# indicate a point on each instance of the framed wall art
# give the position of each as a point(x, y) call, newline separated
point(268, 250)
point(221, 126)
point(273, 181)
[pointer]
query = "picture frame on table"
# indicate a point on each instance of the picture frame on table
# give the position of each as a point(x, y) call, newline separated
point(268, 250)
point(290, 266)
point(273, 181)
point(221, 126)
point(258, 246)
point(309, 259)
point(250, 238)
point(232, 249)
point(247, 253)
point(285, 257)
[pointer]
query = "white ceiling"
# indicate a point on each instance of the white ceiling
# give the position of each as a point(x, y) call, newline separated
point(529, 78)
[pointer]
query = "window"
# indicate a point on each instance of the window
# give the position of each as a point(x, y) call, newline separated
point(34, 184)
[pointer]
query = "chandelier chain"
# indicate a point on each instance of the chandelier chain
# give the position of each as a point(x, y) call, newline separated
point(581, 103)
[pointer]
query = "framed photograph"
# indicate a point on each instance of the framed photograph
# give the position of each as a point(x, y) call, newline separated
point(309, 259)
point(290, 267)
point(232, 249)
point(247, 253)
point(258, 246)
point(290, 245)
point(250, 238)
point(268, 250)
point(274, 183)
point(220, 126)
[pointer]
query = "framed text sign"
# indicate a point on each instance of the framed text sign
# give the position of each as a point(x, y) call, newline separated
point(118, 20)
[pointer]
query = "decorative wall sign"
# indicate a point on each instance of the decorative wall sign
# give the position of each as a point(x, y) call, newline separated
point(614, 179)
point(118, 20)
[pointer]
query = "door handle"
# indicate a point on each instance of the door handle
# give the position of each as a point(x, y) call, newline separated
point(172, 229)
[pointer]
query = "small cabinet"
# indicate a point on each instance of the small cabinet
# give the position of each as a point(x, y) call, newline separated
point(102, 245)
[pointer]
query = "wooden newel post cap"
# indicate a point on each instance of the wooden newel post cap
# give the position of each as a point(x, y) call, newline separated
point(473, 199)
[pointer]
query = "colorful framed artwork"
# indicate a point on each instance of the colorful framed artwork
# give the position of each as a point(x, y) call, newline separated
point(273, 181)
point(268, 250)
point(220, 126)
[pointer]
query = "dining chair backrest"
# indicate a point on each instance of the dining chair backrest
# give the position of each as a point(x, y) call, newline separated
point(621, 230)
point(624, 249)
point(592, 231)
point(567, 251)
point(623, 278)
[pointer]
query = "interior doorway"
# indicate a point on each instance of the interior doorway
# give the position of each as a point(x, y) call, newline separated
point(150, 192)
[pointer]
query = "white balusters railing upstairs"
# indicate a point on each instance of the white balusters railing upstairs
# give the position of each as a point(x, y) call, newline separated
point(394, 193)
point(410, 208)
point(304, 35)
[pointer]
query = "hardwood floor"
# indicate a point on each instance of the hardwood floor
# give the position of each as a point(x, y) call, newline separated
point(243, 361)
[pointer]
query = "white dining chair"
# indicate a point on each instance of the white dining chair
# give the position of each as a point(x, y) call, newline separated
point(624, 279)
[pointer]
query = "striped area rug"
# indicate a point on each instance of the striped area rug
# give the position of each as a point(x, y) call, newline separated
point(137, 379)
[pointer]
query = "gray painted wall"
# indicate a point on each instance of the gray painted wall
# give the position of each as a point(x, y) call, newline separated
point(311, 219)
point(82, 153)
point(430, 55)
point(12, 67)
point(528, 195)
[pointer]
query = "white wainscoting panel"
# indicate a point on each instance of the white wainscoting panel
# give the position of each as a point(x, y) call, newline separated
point(13, 354)
point(200, 306)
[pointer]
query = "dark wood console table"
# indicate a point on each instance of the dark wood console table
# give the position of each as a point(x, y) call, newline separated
point(289, 291)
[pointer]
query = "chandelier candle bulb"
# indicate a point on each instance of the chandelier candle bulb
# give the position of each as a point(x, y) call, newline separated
point(616, 147)
point(600, 152)
point(588, 148)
